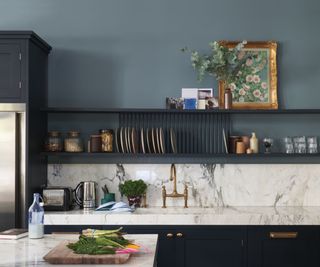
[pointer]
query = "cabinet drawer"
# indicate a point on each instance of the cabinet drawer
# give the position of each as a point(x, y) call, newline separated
point(285, 246)
point(217, 246)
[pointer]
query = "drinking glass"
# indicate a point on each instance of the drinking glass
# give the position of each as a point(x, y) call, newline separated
point(288, 144)
point(300, 144)
point(312, 144)
point(268, 142)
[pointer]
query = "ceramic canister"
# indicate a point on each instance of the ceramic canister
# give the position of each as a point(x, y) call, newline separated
point(232, 143)
point(240, 148)
point(246, 140)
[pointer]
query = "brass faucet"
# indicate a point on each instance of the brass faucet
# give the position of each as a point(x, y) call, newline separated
point(173, 177)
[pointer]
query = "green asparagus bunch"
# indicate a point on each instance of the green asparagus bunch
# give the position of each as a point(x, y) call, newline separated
point(97, 242)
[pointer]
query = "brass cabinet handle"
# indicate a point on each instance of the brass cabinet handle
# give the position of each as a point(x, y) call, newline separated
point(283, 235)
point(169, 235)
point(179, 235)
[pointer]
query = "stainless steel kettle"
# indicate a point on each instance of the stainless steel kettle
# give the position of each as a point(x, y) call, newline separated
point(85, 195)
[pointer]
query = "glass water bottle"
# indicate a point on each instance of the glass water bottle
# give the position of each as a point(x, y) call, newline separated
point(36, 217)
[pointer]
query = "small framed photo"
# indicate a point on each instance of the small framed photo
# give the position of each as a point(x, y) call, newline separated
point(189, 93)
point(174, 102)
point(203, 93)
point(211, 102)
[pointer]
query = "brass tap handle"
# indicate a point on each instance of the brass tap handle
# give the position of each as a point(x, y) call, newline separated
point(179, 235)
point(185, 196)
point(164, 196)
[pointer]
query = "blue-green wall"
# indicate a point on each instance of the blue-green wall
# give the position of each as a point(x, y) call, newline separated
point(125, 53)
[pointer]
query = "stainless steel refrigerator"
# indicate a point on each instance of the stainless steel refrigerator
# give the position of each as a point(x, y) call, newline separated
point(12, 165)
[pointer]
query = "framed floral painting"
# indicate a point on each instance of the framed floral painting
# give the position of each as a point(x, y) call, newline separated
point(256, 83)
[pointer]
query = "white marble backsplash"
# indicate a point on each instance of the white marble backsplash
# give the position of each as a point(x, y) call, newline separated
point(209, 185)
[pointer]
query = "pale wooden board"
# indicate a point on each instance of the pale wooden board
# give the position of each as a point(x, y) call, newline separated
point(61, 254)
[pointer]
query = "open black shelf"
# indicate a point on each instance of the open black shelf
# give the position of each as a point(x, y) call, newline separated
point(105, 158)
point(198, 132)
point(146, 110)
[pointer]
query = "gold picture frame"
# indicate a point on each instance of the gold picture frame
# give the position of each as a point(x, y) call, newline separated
point(262, 92)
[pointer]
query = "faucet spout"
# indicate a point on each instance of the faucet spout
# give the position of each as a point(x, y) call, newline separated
point(173, 177)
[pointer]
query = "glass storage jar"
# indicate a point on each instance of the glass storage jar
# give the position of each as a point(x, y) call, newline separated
point(73, 142)
point(53, 142)
point(107, 140)
point(95, 143)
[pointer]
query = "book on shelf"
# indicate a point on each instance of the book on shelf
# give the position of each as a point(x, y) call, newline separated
point(14, 233)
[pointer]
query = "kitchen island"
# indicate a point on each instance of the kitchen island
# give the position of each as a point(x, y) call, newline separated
point(30, 252)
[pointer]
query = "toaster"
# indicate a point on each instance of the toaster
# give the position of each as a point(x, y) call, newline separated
point(57, 198)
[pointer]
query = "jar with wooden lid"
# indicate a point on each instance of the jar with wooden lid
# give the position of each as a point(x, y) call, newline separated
point(73, 142)
point(107, 140)
point(53, 142)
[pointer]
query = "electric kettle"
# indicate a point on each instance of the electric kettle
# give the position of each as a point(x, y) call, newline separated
point(85, 195)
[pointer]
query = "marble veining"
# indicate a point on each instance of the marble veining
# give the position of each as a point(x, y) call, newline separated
point(30, 252)
point(191, 216)
point(210, 185)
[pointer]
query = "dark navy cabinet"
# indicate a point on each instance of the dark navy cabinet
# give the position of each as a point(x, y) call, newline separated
point(228, 246)
point(216, 246)
point(10, 71)
point(189, 246)
point(283, 246)
point(24, 79)
point(23, 66)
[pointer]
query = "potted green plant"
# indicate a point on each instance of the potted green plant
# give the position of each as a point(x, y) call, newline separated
point(133, 190)
point(107, 196)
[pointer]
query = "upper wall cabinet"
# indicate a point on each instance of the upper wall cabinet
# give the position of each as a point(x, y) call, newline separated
point(20, 53)
point(10, 71)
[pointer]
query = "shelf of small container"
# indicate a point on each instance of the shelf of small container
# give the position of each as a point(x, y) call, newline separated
point(129, 158)
point(130, 116)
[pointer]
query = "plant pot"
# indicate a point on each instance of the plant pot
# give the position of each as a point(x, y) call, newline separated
point(108, 198)
point(135, 201)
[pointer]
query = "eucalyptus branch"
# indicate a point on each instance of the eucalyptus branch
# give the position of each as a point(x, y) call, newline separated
point(222, 62)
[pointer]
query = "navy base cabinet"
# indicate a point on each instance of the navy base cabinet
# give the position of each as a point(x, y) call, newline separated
point(229, 246)
point(211, 247)
point(188, 246)
point(283, 246)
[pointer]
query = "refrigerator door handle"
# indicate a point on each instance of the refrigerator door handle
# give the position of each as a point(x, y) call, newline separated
point(8, 169)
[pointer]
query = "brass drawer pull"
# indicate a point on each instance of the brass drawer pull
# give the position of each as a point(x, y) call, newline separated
point(283, 235)
point(169, 235)
point(179, 235)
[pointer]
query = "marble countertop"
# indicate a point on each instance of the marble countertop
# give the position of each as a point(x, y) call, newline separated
point(191, 216)
point(30, 252)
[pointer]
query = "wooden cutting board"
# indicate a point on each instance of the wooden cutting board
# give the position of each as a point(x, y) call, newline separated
point(61, 254)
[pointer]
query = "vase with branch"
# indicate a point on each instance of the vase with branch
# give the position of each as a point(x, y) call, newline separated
point(223, 63)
